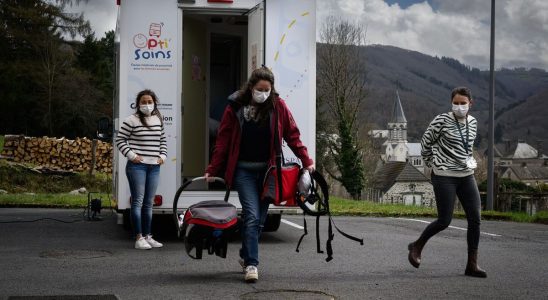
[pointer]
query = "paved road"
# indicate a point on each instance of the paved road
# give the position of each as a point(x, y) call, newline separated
point(96, 258)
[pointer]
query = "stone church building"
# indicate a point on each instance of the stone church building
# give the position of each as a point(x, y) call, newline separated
point(399, 177)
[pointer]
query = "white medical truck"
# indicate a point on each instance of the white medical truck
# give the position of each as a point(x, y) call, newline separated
point(193, 55)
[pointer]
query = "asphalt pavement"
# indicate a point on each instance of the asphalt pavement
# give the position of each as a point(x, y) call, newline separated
point(65, 255)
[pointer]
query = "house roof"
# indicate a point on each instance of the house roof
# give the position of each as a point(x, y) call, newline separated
point(524, 150)
point(530, 172)
point(396, 171)
point(410, 173)
point(519, 150)
point(379, 133)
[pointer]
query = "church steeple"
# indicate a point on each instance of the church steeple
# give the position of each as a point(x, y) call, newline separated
point(396, 145)
point(398, 124)
point(397, 113)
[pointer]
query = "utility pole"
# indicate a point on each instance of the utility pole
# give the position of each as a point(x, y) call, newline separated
point(491, 133)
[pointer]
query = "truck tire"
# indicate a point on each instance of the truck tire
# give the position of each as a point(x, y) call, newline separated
point(272, 222)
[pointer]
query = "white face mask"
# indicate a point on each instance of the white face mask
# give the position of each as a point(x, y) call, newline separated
point(259, 96)
point(146, 109)
point(460, 110)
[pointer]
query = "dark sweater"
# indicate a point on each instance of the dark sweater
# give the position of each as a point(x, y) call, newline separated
point(255, 144)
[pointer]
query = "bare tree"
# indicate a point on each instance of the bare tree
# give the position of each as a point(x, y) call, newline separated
point(341, 90)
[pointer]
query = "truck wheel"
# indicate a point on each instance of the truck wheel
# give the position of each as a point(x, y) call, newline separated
point(272, 222)
point(127, 220)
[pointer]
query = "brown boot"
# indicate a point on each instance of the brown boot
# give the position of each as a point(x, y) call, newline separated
point(415, 250)
point(472, 268)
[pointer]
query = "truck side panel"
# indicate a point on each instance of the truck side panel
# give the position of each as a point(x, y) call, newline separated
point(149, 59)
point(291, 54)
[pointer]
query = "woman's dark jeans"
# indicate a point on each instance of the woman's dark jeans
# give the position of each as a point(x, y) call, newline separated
point(445, 189)
point(248, 179)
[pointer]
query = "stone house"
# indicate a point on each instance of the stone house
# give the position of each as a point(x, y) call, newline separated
point(402, 183)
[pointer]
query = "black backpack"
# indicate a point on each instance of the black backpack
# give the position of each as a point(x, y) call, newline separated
point(315, 202)
point(206, 225)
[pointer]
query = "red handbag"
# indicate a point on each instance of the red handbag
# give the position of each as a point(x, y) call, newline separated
point(272, 189)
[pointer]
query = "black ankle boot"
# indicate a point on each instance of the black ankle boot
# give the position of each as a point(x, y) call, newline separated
point(415, 250)
point(472, 268)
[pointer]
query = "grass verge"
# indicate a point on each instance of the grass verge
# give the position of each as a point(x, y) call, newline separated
point(51, 200)
point(344, 207)
point(338, 206)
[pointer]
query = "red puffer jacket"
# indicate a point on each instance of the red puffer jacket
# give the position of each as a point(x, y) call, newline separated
point(227, 146)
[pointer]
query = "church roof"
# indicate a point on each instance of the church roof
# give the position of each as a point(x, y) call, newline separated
point(397, 113)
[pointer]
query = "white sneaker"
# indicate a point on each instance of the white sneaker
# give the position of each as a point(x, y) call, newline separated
point(153, 243)
point(142, 244)
point(251, 274)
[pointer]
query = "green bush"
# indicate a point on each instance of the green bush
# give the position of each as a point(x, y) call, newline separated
point(541, 217)
point(1, 143)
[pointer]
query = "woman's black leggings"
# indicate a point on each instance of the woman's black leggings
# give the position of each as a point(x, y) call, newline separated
point(445, 189)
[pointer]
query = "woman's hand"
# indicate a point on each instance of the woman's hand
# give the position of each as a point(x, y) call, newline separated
point(137, 159)
point(160, 161)
point(311, 168)
point(208, 177)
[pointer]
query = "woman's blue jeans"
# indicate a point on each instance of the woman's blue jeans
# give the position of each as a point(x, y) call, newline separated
point(143, 181)
point(248, 182)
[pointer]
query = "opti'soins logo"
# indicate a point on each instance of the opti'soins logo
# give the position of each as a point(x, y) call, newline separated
point(153, 46)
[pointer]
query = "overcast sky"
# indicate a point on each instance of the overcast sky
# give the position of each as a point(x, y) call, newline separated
point(457, 29)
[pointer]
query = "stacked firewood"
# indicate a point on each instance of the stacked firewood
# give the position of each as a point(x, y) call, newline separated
point(71, 155)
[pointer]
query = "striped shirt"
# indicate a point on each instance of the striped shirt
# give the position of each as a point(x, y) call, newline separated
point(443, 149)
point(134, 138)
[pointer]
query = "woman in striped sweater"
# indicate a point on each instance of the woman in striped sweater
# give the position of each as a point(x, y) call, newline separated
point(447, 149)
point(142, 140)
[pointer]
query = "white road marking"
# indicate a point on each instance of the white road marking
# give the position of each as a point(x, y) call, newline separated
point(292, 224)
point(454, 227)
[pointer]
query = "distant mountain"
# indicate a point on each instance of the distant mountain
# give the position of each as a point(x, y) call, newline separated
point(425, 83)
point(525, 120)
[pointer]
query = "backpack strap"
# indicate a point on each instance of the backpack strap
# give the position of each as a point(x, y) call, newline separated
point(318, 247)
point(328, 245)
point(331, 235)
point(302, 236)
point(279, 155)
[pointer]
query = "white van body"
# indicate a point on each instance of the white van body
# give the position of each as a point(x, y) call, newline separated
point(193, 55)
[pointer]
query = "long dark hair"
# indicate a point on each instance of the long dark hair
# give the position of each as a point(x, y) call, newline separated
point(154, 112)
point(246, 92)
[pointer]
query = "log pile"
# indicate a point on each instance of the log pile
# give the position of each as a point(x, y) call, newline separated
point(64, 154)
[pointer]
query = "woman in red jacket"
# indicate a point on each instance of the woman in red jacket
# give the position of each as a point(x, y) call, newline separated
point(245, 148)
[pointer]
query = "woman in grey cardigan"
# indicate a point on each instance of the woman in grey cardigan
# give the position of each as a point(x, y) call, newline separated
point(447, 149)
